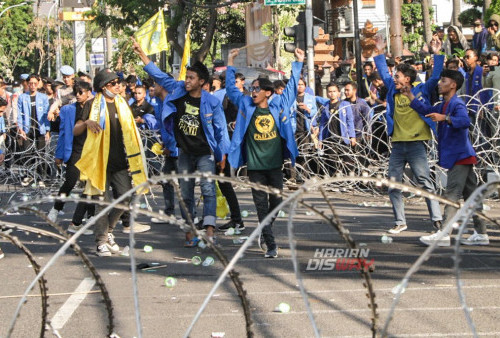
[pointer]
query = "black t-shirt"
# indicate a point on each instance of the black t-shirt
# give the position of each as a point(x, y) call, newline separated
point(334, 123)
point(34, 120)
point(301, 124)
point(54, 125)
point(117, 159)
point(143, 109)
point(454, 46)
point(188, 130)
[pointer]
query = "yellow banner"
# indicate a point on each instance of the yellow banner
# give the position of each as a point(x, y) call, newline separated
point(152, 36)
point(186, 55)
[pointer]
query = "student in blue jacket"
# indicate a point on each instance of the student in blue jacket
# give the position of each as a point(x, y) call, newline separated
point(409, 133)
point(455, 152)
point(32, 122)
point(195, 123)
point(263, 138)
point(68, 151)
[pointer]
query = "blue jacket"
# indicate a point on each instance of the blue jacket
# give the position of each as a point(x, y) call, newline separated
point(474, 84)
point(212, 116)
point(361, 113)
point(310, 102)
point(65, 141)
point(24, 112)
point(421, 91)
point(345, 116)
point(279, 107)
point(453, 139)
point(2, 125)
point(163, 132)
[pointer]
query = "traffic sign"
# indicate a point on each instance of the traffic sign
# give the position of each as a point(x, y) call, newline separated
point(284, 2)
point(97, 59)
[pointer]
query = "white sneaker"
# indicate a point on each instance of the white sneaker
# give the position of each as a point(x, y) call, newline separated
point(111, 244)
point(428, 240)
point(53, 213)
point(103, 251)
point(74, 228)
point(138, 227)
point(476, 239)
point(41, 184)
point(158, 220)
point(26, 181)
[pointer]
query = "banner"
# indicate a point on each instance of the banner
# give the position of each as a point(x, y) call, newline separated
point(186, 55)
point(152, 36)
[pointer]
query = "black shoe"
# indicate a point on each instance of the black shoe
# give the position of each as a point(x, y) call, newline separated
point(232, 224)
point(199, 226)
point(437, 225)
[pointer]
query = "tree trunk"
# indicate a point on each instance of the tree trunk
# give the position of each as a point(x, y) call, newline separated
point(456, 13)
point(201, 53)
point(396, 29)
point(427, 21)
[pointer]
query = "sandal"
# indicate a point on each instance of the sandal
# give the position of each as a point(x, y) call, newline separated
point(193, 243)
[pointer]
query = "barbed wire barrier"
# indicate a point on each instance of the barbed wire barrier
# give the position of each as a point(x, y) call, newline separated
point(291, 201)
point(371, 155)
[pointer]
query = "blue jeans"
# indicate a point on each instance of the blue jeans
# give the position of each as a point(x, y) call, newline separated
point(188, 163)
point(413, 153)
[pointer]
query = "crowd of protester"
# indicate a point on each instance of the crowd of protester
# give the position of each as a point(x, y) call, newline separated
point(218, 123)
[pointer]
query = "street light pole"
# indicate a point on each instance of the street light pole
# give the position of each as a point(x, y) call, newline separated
point(310, 46)
point(48, 38)
point(21, 4)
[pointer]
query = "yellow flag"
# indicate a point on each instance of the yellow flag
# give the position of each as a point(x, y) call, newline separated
point(152, 35)
point(186, 55)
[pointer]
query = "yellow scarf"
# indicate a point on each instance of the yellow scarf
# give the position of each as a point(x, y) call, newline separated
point(95, 153)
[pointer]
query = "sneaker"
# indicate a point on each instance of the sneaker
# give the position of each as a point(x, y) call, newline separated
point(138, 227)
point(158, 220)
point(397, 229)
point(437, 225)
point(26, 181)
point(74, 228)
point(52, 216)
point(199, 225)
point(428, 240)
point(262, 243)
point(271, 253)
point(2, 255)
point(111, 244)
point(103, 250)
point(476, 239)
point(41, 184)
point(6, 231)
point(232, 224)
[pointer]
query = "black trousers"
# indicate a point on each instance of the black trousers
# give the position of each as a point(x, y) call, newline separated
point(227, 190)
point(264, 202)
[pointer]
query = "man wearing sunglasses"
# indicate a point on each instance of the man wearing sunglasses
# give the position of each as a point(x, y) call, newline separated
point(263, 138)
point(112, 155)
point(494, 38)
point(68, 151)
point(195, 123)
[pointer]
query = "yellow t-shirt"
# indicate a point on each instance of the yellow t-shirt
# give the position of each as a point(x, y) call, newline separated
point(408, 126)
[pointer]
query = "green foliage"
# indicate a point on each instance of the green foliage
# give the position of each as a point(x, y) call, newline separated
point(14, 39)
point(494, 9)
point(412, 19)
point(475, 3)
point(468, 16)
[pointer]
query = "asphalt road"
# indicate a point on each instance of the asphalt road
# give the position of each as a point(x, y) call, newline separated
point(429, 306)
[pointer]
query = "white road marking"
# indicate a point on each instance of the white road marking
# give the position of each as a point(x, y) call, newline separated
point(64, 313)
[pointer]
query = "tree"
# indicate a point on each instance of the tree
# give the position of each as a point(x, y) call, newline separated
point(14, 44)
point(494, 8)
point(412, 19)
point(426, 21)
point(206, 21)
point(455, 13)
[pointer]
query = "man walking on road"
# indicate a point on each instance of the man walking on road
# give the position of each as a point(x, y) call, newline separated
point(409, 132)
point(263, 136)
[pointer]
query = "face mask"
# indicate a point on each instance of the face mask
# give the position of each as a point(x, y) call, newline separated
point(18, 90)
point(109, 94)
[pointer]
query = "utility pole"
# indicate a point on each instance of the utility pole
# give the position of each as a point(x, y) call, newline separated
point(427, 21)
point(310, 45)
point(396, 29)
point(357, 46)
